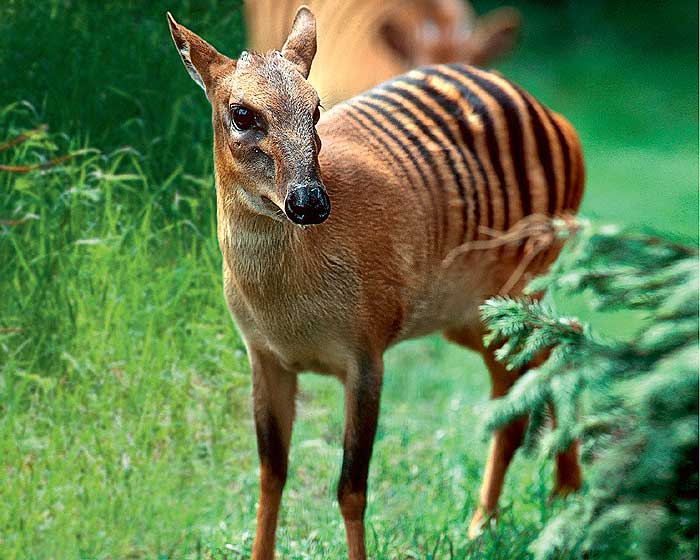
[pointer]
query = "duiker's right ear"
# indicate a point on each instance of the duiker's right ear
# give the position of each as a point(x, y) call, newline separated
point(199, 57)
point(300, 46)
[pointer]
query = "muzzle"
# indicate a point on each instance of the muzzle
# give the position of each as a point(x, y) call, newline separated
point(307, 204)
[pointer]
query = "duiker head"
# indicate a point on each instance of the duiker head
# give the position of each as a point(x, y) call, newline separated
point(264, 117)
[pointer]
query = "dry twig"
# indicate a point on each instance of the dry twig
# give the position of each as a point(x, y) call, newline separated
point(24, 136)
point(536, 232)
point(44, 165)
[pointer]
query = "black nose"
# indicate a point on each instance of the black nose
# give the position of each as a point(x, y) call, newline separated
point(307, 204)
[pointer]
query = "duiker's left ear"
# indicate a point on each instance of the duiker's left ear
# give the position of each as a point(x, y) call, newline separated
point(300, 47)
point(199, 57)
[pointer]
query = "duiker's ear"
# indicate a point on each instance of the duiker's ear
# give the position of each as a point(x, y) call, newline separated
point(300, 47)
point(495, 35)
point(199, 57)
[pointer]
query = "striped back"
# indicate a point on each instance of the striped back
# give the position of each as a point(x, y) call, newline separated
point(481, 151)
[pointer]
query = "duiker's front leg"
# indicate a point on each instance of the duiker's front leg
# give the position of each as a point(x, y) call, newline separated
point(274, 390)
point(363, 387)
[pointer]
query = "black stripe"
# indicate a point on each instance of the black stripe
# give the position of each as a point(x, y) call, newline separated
point(515, 132)
point(446, 132)
point(564, 145)
point(452, 108)
point(357, 107)
point(414, 140)
point(543, 150)
point(489, 132)
point(571, 188)
point(575, 190)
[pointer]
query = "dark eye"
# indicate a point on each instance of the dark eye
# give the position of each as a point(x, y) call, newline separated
point(317, 115)
point(242, 117)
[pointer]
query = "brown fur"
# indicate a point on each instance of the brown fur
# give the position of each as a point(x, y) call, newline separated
point(387, 264)
point(365, 42)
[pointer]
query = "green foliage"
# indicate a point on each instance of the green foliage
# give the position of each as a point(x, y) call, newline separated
point(632, 403)
point(107, 71)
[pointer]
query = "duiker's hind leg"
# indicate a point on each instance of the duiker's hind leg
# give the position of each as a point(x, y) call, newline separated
point(567, 471)
point(506, 441)
point(567, 476)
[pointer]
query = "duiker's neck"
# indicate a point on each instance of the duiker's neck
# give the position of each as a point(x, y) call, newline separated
point(244, 234)
point(240, 221)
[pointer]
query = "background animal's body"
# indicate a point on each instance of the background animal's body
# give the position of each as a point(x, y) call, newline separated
point(364, 42)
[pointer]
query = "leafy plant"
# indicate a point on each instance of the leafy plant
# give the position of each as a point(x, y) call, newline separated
point(632, 403)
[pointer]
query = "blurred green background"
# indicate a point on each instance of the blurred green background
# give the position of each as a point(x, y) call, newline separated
point(125, 427)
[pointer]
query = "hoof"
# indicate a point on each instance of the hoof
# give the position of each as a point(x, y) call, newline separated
point(480, 520)
point(567, 482)
point(563, 490)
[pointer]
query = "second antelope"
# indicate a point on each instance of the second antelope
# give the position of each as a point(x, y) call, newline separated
point(332, 255)
point(389, 37)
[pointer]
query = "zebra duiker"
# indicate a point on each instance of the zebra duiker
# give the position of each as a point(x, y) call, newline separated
point(333, 254)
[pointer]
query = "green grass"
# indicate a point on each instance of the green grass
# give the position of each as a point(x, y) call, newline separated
point(125, 423)
point(126, 429)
